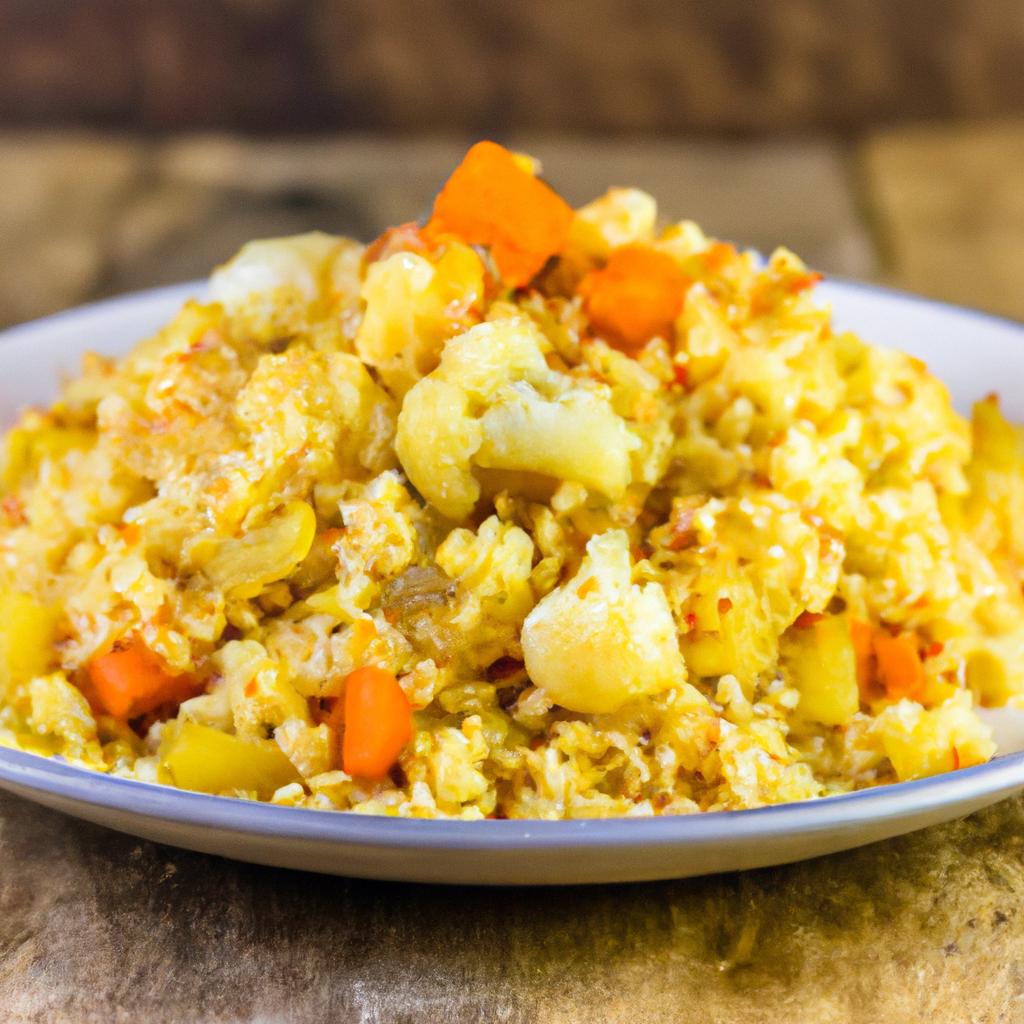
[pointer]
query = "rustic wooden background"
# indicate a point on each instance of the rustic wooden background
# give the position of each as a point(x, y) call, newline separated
point(142, 141)
point(492, 66)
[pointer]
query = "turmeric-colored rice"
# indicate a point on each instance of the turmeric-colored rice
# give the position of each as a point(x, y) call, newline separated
point(740, 561)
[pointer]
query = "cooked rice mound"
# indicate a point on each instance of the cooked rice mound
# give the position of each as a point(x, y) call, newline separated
point(529, 512)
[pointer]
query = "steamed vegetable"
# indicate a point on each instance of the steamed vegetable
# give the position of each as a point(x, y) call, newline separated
point(132, 682)
point(378, 722)
point(493, 199)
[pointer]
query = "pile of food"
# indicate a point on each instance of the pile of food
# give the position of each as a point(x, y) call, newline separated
point(525, 512)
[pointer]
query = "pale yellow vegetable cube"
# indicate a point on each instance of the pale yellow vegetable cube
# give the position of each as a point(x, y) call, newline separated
point(820, 662)
point(26, 640)
point(210, 761)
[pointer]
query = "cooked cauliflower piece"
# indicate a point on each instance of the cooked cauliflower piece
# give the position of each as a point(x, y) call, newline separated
point(601, 640)
point(494, 403)
point(268, 288)
point(412, 306)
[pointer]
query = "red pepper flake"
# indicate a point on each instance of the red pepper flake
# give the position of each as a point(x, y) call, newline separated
point(802, 282)
point(807, 619)
point(724, 605)
point(680, 373)
point(690, 622)
point(403, 238)
point(14, 510)
point(933, 650)
point(681, 522)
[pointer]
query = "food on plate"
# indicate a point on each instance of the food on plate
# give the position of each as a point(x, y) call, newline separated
point(523, 512)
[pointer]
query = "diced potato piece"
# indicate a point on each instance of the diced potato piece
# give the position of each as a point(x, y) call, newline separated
point(599, 640)
point(25, 448)
point(26, 641)
point(996, 442)
point(820, 662)
point(987, 679)
point(920, 743)
point(210, 761)
point(733, 633)
point(246, 564)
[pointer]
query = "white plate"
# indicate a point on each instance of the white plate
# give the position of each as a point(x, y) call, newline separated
point(974, 354)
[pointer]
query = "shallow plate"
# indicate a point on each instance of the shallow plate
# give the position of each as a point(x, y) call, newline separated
point(974, 354)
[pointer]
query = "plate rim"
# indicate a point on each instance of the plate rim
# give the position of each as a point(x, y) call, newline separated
point(22, 770)
point(55, 776)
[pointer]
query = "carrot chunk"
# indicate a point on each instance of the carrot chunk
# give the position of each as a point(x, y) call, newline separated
point(132, 682)
point(378, 722)
point(492, 199)
point(636, 296)
point(899, 666)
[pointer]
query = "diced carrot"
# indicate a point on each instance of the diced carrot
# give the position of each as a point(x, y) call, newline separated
point(807, 619)
point(378, 722)
point(492, 199)
point(899, 666)
point(132, 682)
point(636, 296)
point(716, 256)
point(860, 634)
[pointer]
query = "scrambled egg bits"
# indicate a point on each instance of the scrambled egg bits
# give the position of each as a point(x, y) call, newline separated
point(526, 512)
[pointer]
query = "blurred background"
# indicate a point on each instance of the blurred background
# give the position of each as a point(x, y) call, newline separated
point(142, 142)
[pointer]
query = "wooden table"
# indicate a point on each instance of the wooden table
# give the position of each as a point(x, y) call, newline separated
point(96, 926)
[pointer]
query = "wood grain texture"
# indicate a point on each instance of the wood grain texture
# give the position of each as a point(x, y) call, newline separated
point(480, 66)
point(96, 926)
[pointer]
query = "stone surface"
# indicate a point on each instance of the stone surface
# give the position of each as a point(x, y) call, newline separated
point(97, 926)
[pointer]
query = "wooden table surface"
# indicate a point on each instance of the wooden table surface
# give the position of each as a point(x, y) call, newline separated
point(97, 926)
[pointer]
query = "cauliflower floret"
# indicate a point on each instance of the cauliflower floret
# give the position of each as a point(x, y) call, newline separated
point(309, 748)
point(599, 640)
point(494, 565)
point(260, 695)
point(58, 708)
point(619, 217)
point(920, 743)
point(494, 403)
point(412, 306)
point(268, 288)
